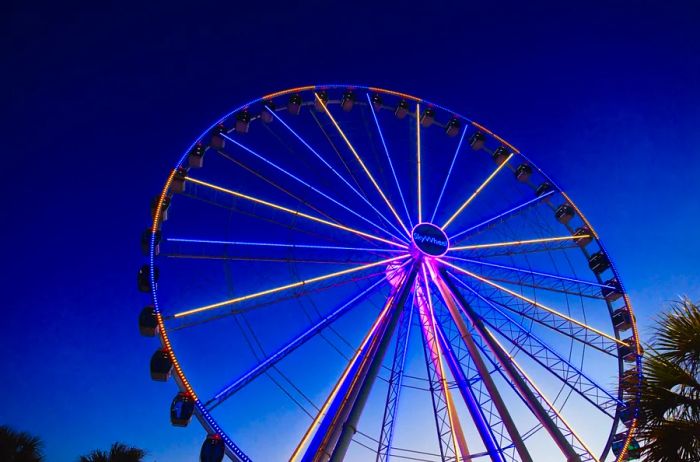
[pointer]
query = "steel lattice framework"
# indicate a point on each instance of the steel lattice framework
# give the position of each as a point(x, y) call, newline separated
point(354, 234)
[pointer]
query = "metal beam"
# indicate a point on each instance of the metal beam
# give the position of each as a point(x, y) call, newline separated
point(498, 402)
point(356, 406)
point(502, 357)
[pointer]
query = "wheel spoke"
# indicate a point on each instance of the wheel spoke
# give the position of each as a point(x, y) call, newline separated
point(516, 243)
point(281, 245)
point(534, 303)
point(305, 183)
point(449, 173)
point(551, 410)
point(505, 361)
point(362, 164)
point(335, 172)
point(507, 214)
point(280, 354)
point(476, 193)
point(388, 157)
point(337, 419)
point(546, 356)
point(418, 164)
point(450, 434)
point(598, 285)
point(293, 212)
point(285, 287)
point(386, 438)
point(478, 361)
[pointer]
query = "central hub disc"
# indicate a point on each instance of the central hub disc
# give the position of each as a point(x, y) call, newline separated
point(430, 239)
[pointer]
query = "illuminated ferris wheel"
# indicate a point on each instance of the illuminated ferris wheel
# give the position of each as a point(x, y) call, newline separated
point(351, 273)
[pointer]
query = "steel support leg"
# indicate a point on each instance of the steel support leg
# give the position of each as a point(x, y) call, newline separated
point(502, 356)
point(339, 424)
point(484, 372)
point(395, 381)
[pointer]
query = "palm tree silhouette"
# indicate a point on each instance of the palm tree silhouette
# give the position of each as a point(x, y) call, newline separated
point(119, 452)
point(670, 398)
point(19, 446)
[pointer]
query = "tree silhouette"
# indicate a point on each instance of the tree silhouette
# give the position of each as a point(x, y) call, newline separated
point(19, 446)
point(670, 406)
point(119, 452)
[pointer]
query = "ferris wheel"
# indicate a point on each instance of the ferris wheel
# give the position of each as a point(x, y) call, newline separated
point(352, 273)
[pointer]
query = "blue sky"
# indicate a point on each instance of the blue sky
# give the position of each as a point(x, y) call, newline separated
point(100, 100)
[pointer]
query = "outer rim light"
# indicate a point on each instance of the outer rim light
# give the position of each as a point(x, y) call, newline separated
point(435, 233)
point(205, 418)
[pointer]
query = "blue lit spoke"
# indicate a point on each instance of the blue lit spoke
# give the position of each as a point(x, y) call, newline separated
point(550, 317)
point(581, 384)
point(531, 272)
point(395, 383)
point(303, 141)
point(391, 164)
point(316, 190)
point(449, 172)
point(477, 413)
point(274, 244)
point(274, 358)
point(501, 215)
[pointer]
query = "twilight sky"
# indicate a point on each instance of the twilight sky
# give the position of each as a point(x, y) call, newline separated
point(100, 100)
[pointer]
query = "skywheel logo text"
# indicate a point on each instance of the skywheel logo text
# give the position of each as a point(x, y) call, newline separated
point(425, 239)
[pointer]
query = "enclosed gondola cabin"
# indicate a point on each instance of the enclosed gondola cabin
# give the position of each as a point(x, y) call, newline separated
point(627, 413)
point(628, 351)
point(163, 208)
point(181, 410)
point(501, 154)
point(401, 109)
point(217, 140)
point(622, 319)
point(148, 322)
point(523, 172)
point(543, 189)
point(161, 366)
point(613, 291)
point(377, 102)
point(630, 380)
point(583, 236)
point(564, 213)
point(598, 262)
point(477, 140)
point(195, 158)
point(347, 101)
point(178, 183)
point(294, 105)
point(212, 449)
point(243, 121)
point(266, 114)
point(428, 117)
point(618, 445)
point(452, 127)
point(146, 242)
point(320, 100)
point(143, 278)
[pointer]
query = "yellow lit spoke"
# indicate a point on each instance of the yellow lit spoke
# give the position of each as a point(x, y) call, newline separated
point(420, 194)
point(428, 313)
point(528, 241)
point(362, 164)
point(539, 392)
point(294, 212)
point(286, 287)
point(533, 302)
point(324, 409)
point(476, 193)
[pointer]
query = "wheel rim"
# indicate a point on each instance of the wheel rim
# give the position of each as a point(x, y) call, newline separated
point(471, 263)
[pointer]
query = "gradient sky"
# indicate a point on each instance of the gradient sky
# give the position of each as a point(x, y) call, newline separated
point(100, 100)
